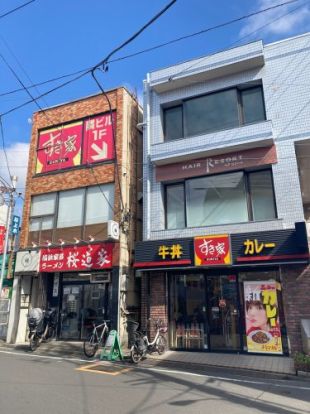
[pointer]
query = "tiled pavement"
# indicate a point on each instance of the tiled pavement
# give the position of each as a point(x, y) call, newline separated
point(268, 364)
point(271, 364)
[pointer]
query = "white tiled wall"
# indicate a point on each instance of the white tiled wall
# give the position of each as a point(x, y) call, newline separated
point(286, 84)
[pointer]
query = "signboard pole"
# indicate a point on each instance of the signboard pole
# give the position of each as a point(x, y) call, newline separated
point(8, 221)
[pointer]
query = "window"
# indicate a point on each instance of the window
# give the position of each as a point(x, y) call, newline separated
point(99, 204)
point(175, 206)
point(174, 123)
point(220, 199)
point(76, 207)
point(216, 200)
point(42, 212)
point(262, 197)
point(70, 208)
point(219, 110)
point(211, 113)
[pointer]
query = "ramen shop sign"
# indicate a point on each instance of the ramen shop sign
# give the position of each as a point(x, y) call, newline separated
point(76, 258)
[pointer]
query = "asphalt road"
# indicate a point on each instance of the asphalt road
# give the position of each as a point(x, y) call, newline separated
point(31, 385)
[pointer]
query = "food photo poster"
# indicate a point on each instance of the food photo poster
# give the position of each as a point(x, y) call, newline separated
point(263, 331)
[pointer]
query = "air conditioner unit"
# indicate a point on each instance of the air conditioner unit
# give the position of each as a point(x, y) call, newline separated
point(104, 277)
point(113, 230)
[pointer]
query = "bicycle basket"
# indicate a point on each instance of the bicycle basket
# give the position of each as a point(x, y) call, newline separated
point(35, 316)
point(141, 345)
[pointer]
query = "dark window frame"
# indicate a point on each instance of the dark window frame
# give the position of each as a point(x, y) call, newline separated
point(241, 118)
point(248, 196)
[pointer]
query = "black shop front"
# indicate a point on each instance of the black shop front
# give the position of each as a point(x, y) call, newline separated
point(222, 292)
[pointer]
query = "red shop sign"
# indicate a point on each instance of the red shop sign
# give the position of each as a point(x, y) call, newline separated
point(2, 238)
point(59, 148)
point(98, 139)
point(212, 250)
point(76, 258)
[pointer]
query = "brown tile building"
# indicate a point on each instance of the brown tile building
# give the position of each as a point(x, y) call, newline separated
point(81, 214)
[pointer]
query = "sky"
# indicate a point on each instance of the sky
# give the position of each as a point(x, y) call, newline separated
point(51, 38)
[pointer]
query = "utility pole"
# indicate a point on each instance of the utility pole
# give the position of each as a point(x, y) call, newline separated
point(11, 203)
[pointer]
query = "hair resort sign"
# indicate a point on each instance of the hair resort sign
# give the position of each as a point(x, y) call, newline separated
point(217, 164)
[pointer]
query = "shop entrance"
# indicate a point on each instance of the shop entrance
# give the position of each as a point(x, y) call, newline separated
point(81, 305)
point(204, 312)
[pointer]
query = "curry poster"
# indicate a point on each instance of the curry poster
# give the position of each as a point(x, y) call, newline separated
point(263, 331)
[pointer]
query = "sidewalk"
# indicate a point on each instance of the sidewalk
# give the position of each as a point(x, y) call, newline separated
point(195, 360)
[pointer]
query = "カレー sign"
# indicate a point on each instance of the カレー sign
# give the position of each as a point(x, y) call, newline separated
point(98, 143)
point(262, 317)
point(76, 258)
point(212, 250)
point(59, 148)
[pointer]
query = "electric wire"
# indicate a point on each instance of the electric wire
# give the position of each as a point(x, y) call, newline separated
point(16, 9)
point(208, 29)
point(239, 40)
point(82, 73)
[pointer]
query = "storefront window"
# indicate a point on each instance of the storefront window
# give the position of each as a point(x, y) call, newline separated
point(187, 327)
point(217, 312)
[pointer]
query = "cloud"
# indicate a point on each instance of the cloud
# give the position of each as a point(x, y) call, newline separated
point(289, 24)
point(17, 155)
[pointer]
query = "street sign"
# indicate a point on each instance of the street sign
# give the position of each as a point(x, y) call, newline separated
point(112, 349)
point(15, 225)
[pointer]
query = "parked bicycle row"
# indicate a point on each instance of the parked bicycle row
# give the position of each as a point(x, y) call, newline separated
point(42, 328)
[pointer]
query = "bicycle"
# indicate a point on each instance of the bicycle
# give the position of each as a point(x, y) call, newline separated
point(91, 345)
point(143, 346)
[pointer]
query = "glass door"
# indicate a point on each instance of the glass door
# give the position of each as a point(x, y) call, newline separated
point(94, 307)
point(70, 311)
point(188, 312)
point(223, 312)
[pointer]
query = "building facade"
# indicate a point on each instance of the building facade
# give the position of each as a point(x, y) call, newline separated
point(224, 257)
point(81, 215)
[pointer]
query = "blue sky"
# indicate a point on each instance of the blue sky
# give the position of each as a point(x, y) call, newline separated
point(50, 38)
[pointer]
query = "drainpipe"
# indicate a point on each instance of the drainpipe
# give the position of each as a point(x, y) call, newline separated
point(147, 157)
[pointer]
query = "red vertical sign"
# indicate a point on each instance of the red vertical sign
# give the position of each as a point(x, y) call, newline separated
point(98, 143)
point(2, 238)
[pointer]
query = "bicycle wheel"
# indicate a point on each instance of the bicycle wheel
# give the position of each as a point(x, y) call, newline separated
point(51, 333)
point(34, 342)
point(90, 346)
point(161, 344)
point(135, 354)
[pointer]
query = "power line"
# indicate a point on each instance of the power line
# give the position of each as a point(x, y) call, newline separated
point(20, 82)
point(82, 73)
point(16, 9)
point(242, 38)
point(208, 29)
point(4, 151)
